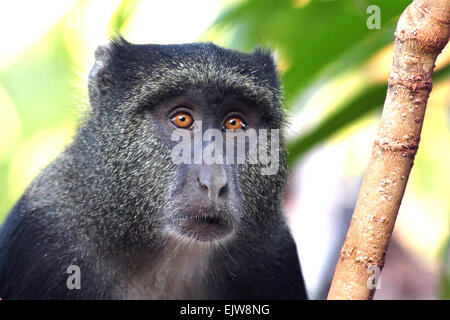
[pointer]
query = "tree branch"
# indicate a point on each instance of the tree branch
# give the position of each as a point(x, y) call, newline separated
point(422, 32)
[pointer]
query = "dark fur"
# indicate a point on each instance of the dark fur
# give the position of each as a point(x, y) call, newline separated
point(98, 205)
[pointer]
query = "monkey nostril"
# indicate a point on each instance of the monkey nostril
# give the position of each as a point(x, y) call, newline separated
point(223, 190)
point(218, 189)
point(202, 184)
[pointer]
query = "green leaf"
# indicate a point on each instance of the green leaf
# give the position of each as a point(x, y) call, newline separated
point(122, 15)
point(370, 99)
point(38, 81)
point(311, 38)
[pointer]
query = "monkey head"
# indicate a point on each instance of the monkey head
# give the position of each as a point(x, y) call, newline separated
point(145, 99)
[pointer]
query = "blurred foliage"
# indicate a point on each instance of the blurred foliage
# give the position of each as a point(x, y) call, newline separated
point(369, 99)
point(122, 16)
point(316, 42)
point(40, 79)
point(313, 37)
point(445, 283)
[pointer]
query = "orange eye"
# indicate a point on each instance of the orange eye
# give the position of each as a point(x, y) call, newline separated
point(234, 123)
point(182, 120)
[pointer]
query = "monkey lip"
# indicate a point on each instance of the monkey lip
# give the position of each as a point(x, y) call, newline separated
point(203, 228)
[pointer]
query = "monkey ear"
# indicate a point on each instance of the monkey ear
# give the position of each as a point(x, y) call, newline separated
point(108, 69)
point(265, 60)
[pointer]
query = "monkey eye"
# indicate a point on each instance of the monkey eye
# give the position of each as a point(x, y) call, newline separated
point(182, 120)
point(234, 123)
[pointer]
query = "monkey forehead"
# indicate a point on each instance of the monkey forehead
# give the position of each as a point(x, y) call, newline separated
point(156, 72)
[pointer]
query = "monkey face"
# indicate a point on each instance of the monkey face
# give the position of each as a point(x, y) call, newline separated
point(169, 112)
point(204, 202)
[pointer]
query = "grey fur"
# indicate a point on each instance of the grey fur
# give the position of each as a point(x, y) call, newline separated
point(100, 204)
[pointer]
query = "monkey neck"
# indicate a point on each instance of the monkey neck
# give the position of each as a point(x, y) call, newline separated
point(178, 271)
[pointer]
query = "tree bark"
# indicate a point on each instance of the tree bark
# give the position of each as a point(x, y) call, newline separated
point(422, 32)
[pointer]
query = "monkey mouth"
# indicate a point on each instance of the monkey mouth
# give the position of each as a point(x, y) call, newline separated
point(203, 227)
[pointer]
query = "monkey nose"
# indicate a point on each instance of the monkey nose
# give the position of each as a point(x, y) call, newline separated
point(213, 178)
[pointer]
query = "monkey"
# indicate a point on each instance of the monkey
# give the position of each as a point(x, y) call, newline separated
point(115, 206)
